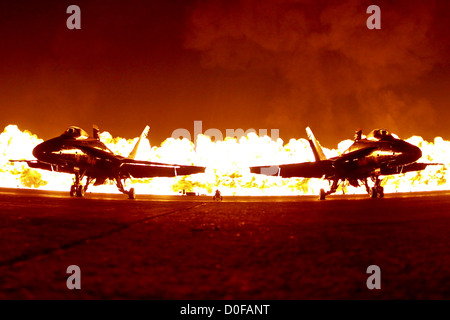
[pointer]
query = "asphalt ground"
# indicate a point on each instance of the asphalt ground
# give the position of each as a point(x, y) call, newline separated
point(181, 247)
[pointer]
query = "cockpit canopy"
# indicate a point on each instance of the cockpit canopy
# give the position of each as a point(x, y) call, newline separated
point(76, 133)
point(379, 134)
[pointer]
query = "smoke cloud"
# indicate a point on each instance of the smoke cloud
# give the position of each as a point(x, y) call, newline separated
point(329, 70)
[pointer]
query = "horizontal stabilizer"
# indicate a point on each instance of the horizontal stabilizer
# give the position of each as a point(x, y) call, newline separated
point(188, 170)
point(266, 170)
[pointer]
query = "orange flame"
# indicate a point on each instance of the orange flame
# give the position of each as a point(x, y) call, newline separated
point(227, 165)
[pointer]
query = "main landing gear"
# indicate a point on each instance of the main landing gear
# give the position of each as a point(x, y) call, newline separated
point(77, 189)
point(376, 191)
point(131, 194)
point(333, 189)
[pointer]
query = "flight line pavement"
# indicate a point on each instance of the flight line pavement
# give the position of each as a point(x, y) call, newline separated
point(277, 248)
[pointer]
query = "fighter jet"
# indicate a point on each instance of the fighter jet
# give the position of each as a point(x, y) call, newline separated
point(87, 157)
point(379, 154)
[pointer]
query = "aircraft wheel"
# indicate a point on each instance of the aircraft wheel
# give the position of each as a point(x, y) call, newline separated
point(131, 194)
point(322, 194)
point(373, 192)
point(80, 191)
point(380, 192)
point(73, 190)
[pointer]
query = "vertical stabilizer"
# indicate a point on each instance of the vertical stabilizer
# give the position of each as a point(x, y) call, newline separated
point(315, 146)
point(95, 132)
point(136, 146)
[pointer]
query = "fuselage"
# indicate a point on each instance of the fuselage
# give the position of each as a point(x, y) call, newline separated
point(383, 151)
point(75, 151)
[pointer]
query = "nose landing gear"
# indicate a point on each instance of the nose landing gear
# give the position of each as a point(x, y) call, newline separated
point(77, 189)
point(377, 190)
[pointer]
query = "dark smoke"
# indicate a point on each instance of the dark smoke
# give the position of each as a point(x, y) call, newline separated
point(335, 74)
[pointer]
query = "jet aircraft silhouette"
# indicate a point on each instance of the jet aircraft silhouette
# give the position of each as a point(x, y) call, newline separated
point(379, 154)
point(87, 157)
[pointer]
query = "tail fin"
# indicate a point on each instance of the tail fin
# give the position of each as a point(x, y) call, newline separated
point(95, 132)
point(136, 146)
point(315, 146)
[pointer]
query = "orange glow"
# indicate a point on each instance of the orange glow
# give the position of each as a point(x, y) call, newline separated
point(227, 165)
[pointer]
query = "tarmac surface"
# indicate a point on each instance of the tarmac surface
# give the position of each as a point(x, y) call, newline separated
point(181, 247)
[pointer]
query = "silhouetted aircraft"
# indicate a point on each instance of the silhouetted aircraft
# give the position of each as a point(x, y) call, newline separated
point(76, 153)
point(379, 154)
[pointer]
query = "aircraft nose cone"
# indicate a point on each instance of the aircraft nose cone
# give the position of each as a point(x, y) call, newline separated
point(409, 153)
point(414, 153)
point(38, 151)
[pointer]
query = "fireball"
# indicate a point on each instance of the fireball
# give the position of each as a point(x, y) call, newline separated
point(227, 165)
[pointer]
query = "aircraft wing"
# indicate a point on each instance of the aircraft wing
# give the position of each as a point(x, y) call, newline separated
point(304, 170)
point(145, 169)
point(408, 168)
point(36, 164)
